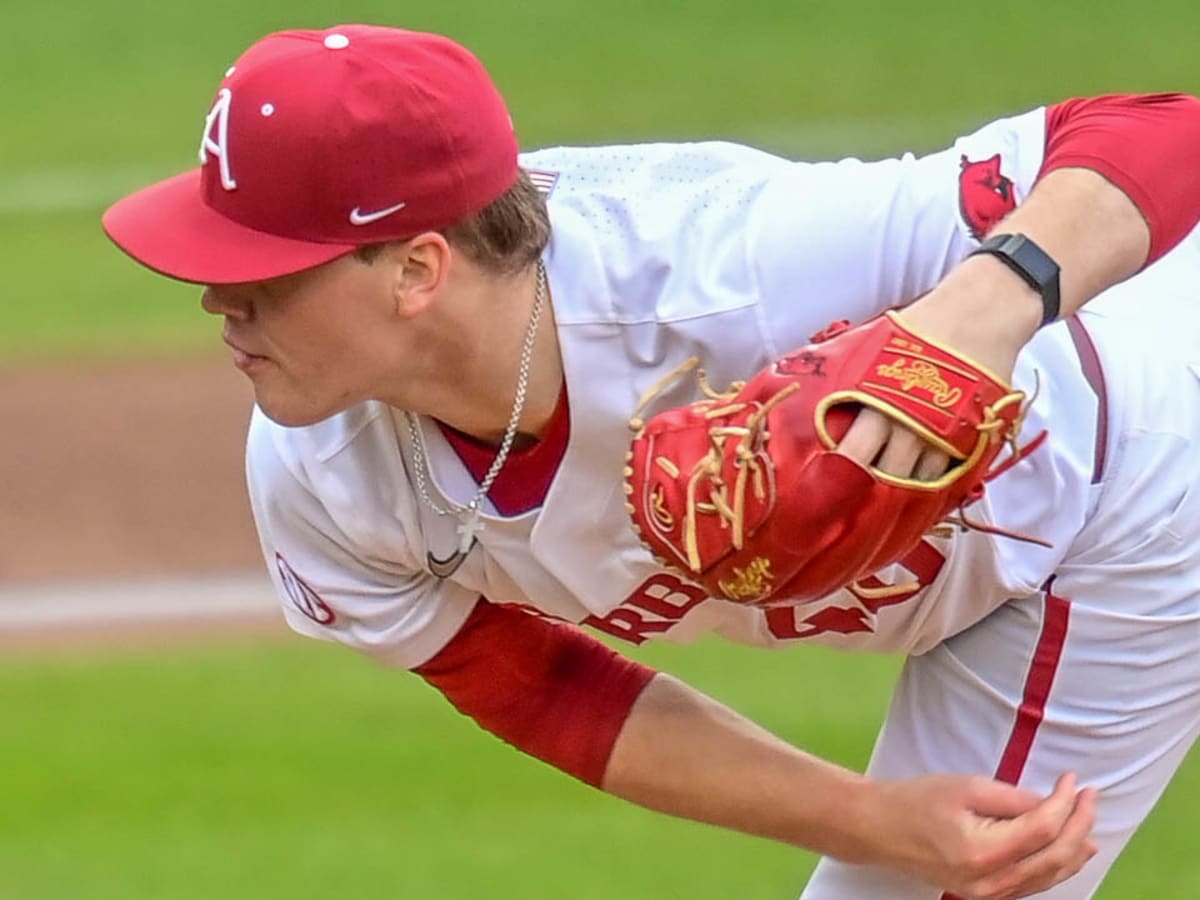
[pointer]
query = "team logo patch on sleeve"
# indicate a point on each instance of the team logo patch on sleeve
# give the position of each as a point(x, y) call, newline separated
point(985, 195)
point(303, 597)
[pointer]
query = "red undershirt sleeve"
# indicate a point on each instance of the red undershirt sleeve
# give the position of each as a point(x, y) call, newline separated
point(547, 688)
point(1147, 145)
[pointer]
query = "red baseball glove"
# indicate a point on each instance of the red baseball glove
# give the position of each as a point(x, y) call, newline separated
point(744, 493)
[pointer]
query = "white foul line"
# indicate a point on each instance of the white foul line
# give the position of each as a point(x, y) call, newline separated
point(85, 604)
point(73, 189)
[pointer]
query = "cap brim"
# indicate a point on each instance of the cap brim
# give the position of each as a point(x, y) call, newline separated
point(167, 227)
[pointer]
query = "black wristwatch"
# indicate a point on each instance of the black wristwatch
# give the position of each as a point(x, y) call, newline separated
point(1032, 263)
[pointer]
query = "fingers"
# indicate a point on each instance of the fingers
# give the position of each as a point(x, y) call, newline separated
point(866, 437)
point(1057, 860)
point(873, 439)
point(900, 454)
point(998, 800)
point(932, 464)
point(995, 841)
point(1018, 837)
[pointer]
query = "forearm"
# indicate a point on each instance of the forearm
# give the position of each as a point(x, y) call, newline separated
point(682, 753)
point(1089, 226)
point(571, 701)
point(1118, 188)
point(687, 755)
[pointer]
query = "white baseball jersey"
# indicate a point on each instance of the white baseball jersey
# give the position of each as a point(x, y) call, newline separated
point(1028, 661)
point(772, 251)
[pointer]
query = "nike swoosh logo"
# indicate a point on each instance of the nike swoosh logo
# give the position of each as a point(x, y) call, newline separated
point(358, 217)
point(444, 568)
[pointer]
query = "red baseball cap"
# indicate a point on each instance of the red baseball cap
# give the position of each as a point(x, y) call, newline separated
point(319, 142)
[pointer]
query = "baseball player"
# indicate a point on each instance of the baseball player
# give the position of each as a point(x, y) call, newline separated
point(447, 343)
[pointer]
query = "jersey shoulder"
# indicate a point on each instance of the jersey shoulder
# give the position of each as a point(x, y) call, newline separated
point(297, 450)
point(346, 473)
point(583, 169)
point(648, 234)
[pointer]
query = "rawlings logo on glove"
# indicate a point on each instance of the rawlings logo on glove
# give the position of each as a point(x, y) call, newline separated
point(744, 492)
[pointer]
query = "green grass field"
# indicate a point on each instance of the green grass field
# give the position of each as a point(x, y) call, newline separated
point(299, 771)
point(302, 771)
point(102, 96)
point(290, 770)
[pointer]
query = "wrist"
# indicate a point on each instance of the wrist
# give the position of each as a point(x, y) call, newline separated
point(852, 829)
point(982, 310)
point(997, 298)
point(1029, 262)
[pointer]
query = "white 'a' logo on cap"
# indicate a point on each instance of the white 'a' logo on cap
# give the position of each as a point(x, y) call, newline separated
point(218, 115)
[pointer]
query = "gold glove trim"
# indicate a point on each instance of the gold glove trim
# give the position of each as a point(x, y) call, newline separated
point(989, 431)
point(946, 348)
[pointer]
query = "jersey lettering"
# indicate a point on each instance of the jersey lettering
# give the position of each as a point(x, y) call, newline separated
point(789, 623)
point(657, 604)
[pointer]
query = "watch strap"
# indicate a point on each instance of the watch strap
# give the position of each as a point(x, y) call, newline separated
point(1033, 264)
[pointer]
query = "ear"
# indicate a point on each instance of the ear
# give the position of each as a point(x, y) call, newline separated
point(420, 267)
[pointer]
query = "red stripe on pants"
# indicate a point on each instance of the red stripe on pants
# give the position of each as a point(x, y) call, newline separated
point(1056, 616)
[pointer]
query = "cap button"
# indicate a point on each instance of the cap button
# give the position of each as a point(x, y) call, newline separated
point(336, 41)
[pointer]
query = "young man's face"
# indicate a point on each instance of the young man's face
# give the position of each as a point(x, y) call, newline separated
point(312, 343)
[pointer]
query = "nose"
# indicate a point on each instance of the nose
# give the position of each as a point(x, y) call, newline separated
point(226, 300)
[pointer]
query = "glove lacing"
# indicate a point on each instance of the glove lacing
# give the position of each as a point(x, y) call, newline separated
point(751, 437)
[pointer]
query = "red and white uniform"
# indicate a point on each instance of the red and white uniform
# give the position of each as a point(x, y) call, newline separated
point(1098, 673)
point(1091, 660)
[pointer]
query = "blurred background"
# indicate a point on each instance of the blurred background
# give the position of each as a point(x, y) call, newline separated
point(161, 736)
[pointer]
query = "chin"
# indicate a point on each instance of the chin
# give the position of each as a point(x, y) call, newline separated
point(292, 415)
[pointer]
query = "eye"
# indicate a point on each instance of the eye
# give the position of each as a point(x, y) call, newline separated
point(272, 289)
point(278, 289)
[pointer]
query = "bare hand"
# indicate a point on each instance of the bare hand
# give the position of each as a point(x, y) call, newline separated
point(982, 839)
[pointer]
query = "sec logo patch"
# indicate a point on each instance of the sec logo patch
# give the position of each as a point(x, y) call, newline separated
point(303, 597)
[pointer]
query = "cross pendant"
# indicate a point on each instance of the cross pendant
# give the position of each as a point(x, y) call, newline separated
point(467, 531)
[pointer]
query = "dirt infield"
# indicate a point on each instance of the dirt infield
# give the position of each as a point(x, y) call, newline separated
point(122, 470)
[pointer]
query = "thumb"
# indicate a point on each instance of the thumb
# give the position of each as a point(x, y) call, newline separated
point(1006, 801)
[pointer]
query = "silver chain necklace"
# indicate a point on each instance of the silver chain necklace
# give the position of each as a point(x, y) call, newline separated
point(471, 526)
